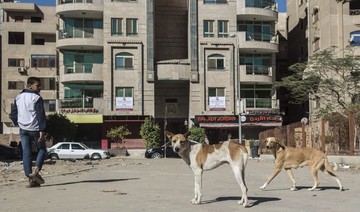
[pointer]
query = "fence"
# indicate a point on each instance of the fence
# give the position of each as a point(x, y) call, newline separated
point(332, 137)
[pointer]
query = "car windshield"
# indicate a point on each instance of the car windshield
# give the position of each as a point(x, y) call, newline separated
point(86, 147)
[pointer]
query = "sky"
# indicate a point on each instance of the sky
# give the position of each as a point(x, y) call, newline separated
point(282, 3)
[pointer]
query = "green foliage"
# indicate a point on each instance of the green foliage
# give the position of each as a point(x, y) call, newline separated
point(118, 134)
point(60, 128)
point(326, 78)
point(197, 134)
point(150, 133)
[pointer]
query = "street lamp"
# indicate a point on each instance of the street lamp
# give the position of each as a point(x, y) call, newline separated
point(239, 106)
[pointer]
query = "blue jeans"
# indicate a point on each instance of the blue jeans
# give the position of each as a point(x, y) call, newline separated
point(29, 138)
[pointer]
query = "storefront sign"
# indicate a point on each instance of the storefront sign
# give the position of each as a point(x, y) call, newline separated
point(261, 118)
point(216, 119)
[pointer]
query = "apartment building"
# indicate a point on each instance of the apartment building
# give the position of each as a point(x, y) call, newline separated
point(177, 61)
point(28, 49)
point(314, 25)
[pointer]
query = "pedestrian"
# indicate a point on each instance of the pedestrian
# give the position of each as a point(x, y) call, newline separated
point(29, 114)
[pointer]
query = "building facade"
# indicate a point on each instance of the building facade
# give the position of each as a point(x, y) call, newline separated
point(315, 25)
point(177, 62)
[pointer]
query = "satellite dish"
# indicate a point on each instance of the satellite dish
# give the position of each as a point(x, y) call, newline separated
point(304, 121)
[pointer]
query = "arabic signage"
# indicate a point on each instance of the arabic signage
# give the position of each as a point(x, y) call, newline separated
point(234, 119)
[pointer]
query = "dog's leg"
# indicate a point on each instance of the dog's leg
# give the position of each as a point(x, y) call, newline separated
point(239, 173)
point(329, 170)
point(273, 175)
point(314, 172)
point(291, 176)
point(198, 184)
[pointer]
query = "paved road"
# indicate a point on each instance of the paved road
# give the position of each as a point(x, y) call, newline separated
point(167, 185)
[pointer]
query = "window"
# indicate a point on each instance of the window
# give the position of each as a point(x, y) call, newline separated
point(35, 19)
point(16, 38)
point(50, 105)
point(64, 146)
point(16, 85)
point(47, 83)
point(15, 62)
point(208, 28)
point(131, 26)
point(355, 38)
point(124, 92)
point(124, 60)
point(76, 146)
point(215, 1)
point(256, 30)
point(216, 62)
point(39, 41)
point(217, 99)
point(256, 64)
point(116, 26)
point(223, 29)
point(257, 96)
point(43, 61)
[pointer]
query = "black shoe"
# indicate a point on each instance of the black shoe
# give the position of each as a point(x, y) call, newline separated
point(32, 184)
point(37, 178)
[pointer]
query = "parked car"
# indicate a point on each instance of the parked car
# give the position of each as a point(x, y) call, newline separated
point(8, 152)
point(75, 150)
point(158, 152)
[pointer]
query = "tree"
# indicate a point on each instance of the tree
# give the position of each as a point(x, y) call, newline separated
point(60, 128)
point(118, 134)
point(197, 134)
point(150, 133)
point(333, 81)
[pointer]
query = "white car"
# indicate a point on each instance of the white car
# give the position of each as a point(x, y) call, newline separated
point(75, 150)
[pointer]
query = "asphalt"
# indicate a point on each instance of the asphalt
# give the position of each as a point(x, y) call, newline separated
point(139, 184)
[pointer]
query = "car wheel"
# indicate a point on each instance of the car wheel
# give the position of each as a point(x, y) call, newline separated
point(156, 155)
point(54, 156)
point(95, 156)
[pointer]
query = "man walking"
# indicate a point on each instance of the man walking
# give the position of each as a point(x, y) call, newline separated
point(28, 112)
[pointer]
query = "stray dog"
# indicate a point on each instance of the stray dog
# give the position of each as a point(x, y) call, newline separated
point(290, 157)
point(202, 157)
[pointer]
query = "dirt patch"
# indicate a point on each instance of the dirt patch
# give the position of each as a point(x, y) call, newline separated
point(12, 171)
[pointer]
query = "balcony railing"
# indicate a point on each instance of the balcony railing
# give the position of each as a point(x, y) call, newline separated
point(73, 32)
point(259, 3)
point(85, 102)
point(258, 36)
point(355, 12)
point(258, 70)
point(79, 68)
point(260, 103)
point(74, 1)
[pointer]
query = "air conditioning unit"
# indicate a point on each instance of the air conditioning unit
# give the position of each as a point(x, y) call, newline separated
point(21, 69)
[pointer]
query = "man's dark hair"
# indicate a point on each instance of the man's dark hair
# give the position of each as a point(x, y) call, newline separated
point(32, 80)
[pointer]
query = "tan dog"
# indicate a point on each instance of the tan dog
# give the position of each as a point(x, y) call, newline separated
point(290, 157)
point(202, 157)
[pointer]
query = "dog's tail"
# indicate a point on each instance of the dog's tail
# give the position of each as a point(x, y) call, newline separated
point(329, 168)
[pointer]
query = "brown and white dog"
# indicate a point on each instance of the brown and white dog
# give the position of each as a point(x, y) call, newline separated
point(203, 157)
point(290, 157)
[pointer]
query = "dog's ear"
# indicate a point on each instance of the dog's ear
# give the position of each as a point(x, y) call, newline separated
point(187, 134)
point(169, 134)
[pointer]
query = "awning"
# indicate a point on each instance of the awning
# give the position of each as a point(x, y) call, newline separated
point(85, 118)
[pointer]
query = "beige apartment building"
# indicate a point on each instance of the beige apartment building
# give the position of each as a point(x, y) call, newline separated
point(314, 25)
point(177, 62)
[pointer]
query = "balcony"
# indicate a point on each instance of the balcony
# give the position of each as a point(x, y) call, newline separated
point(80, 8)
point(80, 38)
point(78, 72)
point(261, 103)
point(256, 73)
point(261, 10)
point(261, 42)
point(173, 70)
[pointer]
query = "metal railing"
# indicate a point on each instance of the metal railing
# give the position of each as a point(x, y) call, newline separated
point(78, 68)
point(258, 70)
point(259, 102)
point(73, 32)
point(260, 3)
point(258, 36)
point(74, 1)
point(76, 103)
